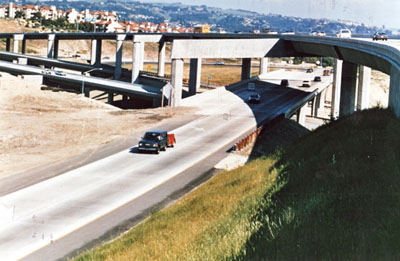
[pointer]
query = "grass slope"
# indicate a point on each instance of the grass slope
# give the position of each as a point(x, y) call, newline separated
point(332, 195)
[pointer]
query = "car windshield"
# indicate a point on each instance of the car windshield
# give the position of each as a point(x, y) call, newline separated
point(151, 136)
point(345, 31)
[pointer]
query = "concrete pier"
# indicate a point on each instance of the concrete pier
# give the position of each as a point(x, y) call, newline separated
point(17, 38)
point(301, 115)
point(23, 47)
point(98, 53)
point(8, 44)
point(161, 59)
point(93, 52)
point(136, 62)
point(246, 69)
point(118, 56)
point(194, 76)
point(364, 84)
point(336, 86)
point(394, 90)
point(263, 65)
point(56, 48)
point(50, 44)
point(141, 56)
point(176, 81)
point(348, 89)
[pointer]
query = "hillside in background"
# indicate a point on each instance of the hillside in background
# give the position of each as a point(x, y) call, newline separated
point(188, 16)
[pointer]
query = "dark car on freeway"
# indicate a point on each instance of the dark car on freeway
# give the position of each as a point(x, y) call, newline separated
point(317, 78)
point(254, 98)
point(154, 141)
point(379, 36)
point(309, 70)
point(284, 83)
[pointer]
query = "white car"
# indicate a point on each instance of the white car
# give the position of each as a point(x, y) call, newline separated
point(344, 33)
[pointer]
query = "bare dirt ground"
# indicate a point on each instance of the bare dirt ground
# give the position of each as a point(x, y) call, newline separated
point(39, 127)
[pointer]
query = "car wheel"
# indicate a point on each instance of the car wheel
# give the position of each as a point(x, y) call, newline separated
point(164, 148)
point(157, 151)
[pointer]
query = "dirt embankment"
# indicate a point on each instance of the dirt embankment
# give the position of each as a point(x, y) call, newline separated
point(39, 127)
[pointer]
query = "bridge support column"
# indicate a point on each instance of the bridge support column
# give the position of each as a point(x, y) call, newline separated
point(23, 48)
point(194, 76)
point(55, 48)
point(97, 62)
point(246, 69)
point(17, 38)
point(136, 62)
point(50, 44)
point(348, 89)
point(93, 52)
point(110, 99)
point(316, 105)
point(87, 92)
point(301, 115)
point(337, 80)
point(141, 56)
point(161, 59)
point(394, 90)
point(8, 44)
point(118, 56)
point(263, 65)
point(364, 84)
point(176, 81)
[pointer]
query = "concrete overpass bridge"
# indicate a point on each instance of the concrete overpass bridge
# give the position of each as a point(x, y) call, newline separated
point(352, 55)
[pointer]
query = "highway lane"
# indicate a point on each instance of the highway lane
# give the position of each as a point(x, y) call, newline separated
point(40, 214)
point(94, 82)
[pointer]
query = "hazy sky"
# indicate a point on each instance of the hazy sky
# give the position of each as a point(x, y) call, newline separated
point(372, 12)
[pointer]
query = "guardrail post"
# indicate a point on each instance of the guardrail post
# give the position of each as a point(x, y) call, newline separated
point(93, 52)
point(348, 89)
point(364, 84)
point(55, 48)
point(194, 76)
point(23, 48)
point(98, 53)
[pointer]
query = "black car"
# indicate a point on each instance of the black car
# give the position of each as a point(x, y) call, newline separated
point(284, 83)
point(309, 70)
point(379, 36)
point(317, 78)
point(154, 141)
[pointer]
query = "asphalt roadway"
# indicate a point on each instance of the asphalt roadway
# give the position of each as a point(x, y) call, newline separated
point(51, 219)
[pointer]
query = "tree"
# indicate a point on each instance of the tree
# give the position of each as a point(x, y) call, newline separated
point(19, 14)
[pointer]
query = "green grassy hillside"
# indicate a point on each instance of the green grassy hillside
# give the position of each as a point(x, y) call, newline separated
point(332, 195)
